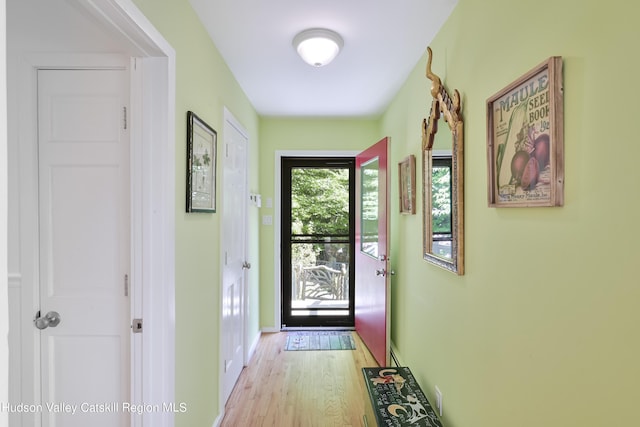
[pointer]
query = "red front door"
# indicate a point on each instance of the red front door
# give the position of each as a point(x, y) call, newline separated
point(372, 257)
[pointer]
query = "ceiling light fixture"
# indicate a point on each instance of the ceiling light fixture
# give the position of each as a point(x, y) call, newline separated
point(318, 46)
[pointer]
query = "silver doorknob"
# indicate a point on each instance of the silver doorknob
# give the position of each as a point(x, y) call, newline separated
point(246, 265)
point(52, 319)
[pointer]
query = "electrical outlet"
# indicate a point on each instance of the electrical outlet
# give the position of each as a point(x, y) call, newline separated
point(439, 401)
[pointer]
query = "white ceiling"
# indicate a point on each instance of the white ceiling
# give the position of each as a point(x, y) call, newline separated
point(383, 40)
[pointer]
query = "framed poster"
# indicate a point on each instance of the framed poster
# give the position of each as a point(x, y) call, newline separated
point(407, 182)
point(201, 165)
point(525, 149)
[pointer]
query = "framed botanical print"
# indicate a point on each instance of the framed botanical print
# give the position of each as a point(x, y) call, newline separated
point(201, 165)
point(525, 151)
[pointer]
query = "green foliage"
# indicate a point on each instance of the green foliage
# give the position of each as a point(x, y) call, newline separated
point(441, 199)
point(202, 160)
point(319, 205)
point(320, 201)
point(370, 193)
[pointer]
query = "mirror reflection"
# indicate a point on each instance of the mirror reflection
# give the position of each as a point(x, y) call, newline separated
point(442, 226)
point(369, 203)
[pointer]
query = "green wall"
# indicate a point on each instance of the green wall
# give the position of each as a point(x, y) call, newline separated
point(543, 327)
point(205, 85)
point(297, 134)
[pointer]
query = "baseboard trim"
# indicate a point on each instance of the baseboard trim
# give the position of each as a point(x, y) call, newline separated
point(218, 420)
point(395, 356)
point(318, 328)
point(252, 348)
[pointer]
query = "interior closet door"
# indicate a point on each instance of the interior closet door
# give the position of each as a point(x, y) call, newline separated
point(84, 241)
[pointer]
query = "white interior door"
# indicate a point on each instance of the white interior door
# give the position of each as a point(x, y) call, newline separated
point(84, 212)
point(235, 264)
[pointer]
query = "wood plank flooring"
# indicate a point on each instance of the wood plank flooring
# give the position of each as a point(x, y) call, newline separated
point(299, 388)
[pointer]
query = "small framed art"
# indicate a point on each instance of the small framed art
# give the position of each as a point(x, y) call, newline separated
point(201, 165)
point(407, 182)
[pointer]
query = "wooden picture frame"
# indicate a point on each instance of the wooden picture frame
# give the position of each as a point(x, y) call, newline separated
point(525, 148)
point(201, 165)
point(407, 185)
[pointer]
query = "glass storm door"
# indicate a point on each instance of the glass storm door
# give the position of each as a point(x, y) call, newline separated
point(317, 241)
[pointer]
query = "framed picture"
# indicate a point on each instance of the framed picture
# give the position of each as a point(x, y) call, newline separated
point(525, 140)
point(407, 182)
point(201, 165)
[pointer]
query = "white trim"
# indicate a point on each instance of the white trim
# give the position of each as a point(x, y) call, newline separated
point(156, 172)
point(136, 206)
point(15, 280)
point(218, 421)
point(125, 19)
point(396, 354)
point(23, 117)
point(4, 207)
point(253, 346)
point(229, 117)
point(277, 221)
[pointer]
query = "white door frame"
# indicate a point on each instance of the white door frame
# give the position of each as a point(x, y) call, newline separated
point(4, 203)
point(277, 222)
point(152, 119)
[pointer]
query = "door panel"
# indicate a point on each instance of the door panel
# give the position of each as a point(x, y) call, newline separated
point(234, 249)
point(83, 189)
point(372, 244)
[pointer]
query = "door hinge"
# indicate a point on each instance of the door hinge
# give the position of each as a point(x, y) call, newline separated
point(136, 326)
point(124, 116)
point(126, 285)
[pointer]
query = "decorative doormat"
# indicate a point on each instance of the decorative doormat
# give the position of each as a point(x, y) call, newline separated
point(319, 340)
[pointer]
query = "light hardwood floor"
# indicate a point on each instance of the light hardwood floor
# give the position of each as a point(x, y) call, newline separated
point(299, 388)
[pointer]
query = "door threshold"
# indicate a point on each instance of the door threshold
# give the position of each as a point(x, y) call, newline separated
point(317, 328)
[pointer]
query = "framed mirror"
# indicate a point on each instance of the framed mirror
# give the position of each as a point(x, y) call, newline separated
point(443, 178)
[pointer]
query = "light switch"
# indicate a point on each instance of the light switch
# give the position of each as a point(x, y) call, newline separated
point(267, 220)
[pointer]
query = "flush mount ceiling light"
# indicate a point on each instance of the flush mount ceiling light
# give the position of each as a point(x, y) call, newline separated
point(318, 46)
